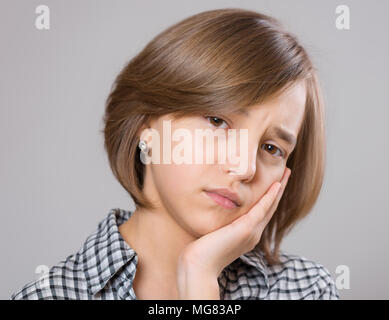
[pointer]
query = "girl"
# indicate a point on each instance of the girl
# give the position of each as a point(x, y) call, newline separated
point(205, 230)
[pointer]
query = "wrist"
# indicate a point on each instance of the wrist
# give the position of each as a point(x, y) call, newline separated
point(194, 284)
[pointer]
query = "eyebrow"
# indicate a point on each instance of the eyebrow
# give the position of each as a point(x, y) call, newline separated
point(242, 111)
point(283, 134)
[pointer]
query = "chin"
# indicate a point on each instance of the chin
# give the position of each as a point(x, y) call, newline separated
point(204, 225)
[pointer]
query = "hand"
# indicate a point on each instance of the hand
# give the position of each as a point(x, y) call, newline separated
point(207, 256)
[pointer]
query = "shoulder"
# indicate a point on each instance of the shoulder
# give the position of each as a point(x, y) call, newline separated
point(64, 280)
point(294, 278)
point(86, 274)
point(298, 277)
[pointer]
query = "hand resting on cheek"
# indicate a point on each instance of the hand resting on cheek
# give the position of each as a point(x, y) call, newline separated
point(202, 261)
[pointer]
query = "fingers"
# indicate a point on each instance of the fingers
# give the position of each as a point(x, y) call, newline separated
point(275, 203)
point(265, 207)
point(284, 181)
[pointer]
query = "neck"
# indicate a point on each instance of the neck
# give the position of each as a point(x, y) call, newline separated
point(158, 241)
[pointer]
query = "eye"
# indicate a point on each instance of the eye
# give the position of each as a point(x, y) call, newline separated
point(271, 148)
point(216, 121)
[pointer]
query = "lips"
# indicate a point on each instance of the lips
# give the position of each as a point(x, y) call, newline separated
point(224, 197)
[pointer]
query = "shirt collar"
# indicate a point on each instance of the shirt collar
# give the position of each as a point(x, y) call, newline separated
point(256, 259)
point(105, 252)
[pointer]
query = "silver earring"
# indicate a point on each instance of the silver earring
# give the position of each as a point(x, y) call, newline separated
point(143, 146)
point(144, 152)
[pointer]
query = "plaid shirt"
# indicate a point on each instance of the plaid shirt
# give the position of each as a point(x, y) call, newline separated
point(105, 265)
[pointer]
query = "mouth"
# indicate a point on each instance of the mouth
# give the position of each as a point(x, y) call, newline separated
point(223, 201)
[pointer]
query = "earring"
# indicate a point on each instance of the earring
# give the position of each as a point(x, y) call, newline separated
point(144, 152)
point(143, 146)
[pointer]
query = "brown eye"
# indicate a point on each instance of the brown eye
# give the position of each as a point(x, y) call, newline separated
point(273, 149)
point(216, 121)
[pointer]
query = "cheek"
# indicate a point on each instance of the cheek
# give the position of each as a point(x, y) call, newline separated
point(178, 179)
point(265, 177)
point(180, 191)
point(268, 172)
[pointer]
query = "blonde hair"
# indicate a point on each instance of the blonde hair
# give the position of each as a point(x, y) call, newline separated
point(213, 62)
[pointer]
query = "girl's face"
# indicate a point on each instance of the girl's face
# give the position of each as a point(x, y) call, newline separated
point(180, 189)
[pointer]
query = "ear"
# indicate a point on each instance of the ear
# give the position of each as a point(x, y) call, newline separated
point(143, 131)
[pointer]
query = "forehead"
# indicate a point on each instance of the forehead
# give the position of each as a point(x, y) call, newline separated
point(290, 99)
point(283, 110)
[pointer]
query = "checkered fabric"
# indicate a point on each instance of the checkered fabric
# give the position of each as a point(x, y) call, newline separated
point(104, 268)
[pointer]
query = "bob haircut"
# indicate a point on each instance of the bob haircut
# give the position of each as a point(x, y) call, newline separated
point(216, 62)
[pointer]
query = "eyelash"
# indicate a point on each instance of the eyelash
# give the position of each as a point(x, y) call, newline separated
point(208, 117)
point(282, 153)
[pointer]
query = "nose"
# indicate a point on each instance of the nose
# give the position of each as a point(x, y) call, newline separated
point(244, 170)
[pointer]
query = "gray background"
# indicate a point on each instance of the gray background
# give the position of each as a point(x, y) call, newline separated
point(55, 182)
